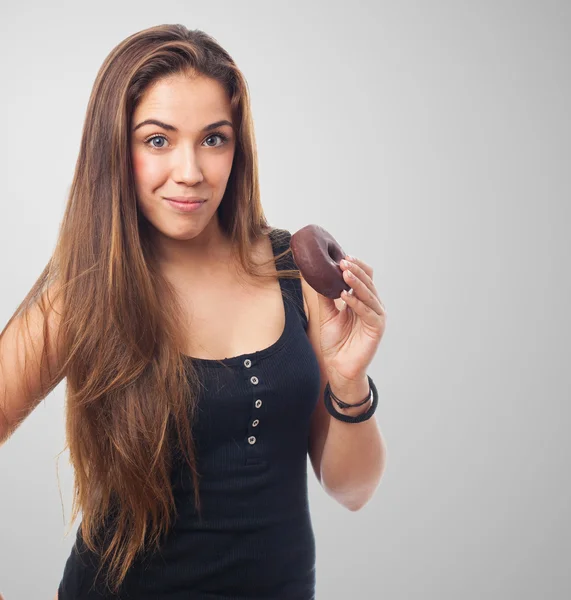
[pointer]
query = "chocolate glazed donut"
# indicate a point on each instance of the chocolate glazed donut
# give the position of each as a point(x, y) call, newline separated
point(317, 255)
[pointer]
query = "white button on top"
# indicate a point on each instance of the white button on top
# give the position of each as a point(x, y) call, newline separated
point(258, 403)
point(254, 380)
point(247, 363)
point(252, 439)
point(255, 423)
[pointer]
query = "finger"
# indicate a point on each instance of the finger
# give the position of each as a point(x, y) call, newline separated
point(365, 274)
point(362, 310)
point(360, 263)
point(360, 274)
point(362, 292)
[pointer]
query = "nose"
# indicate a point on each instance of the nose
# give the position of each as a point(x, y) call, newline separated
point(186, 168)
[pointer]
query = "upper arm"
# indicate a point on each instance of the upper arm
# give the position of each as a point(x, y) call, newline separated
point(320, 418)
point(24, 378)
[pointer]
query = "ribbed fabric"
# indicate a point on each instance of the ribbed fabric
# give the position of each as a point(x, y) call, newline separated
point(255, 539)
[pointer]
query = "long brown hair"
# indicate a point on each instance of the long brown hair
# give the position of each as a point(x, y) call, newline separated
point(128, 384)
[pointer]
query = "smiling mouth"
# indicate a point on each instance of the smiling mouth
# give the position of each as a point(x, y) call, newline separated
point(182, 200)
point(186, 206)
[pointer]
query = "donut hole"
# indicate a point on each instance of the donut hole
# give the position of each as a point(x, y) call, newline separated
point(334, 252)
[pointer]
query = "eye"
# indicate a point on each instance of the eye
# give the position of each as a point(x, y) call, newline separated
point(155, 137)
point(220, 135)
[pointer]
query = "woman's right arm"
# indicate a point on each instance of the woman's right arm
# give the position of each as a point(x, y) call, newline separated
point(24, 382)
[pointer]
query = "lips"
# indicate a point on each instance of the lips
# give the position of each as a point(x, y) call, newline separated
point(185, 206)
point(186, 199)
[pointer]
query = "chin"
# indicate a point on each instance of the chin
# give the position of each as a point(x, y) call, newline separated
point(187, 234)
point(175, 231)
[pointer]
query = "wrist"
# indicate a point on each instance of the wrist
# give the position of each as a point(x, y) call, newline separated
point(351, 392)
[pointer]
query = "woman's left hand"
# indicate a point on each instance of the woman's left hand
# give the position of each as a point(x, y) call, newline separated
point(350, 337)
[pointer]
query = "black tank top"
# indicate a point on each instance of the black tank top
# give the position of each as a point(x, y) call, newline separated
point(255, 538)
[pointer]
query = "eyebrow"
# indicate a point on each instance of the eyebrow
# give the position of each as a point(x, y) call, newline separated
point(173, 128)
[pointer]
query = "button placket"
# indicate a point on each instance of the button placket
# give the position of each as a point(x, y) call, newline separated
point(252, 452)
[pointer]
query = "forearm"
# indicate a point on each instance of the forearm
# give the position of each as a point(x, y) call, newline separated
point(354, 454)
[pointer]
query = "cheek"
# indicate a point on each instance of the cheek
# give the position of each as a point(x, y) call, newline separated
point(145, 168)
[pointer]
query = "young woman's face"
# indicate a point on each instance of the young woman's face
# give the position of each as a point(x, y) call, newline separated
point(189, 154)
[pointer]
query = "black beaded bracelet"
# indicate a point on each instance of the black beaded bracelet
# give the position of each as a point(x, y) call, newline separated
point(347, 418)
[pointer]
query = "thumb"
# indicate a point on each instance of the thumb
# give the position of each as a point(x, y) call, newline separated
point(327, 308)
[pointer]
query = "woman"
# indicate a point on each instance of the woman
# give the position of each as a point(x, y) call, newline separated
point(194, 352)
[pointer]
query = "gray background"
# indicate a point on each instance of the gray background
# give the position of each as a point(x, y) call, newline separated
point(432, 139)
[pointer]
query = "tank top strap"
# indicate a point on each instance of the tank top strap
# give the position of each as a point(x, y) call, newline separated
point(291, 288)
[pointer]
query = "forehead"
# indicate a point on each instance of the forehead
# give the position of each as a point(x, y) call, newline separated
point(184, 101)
